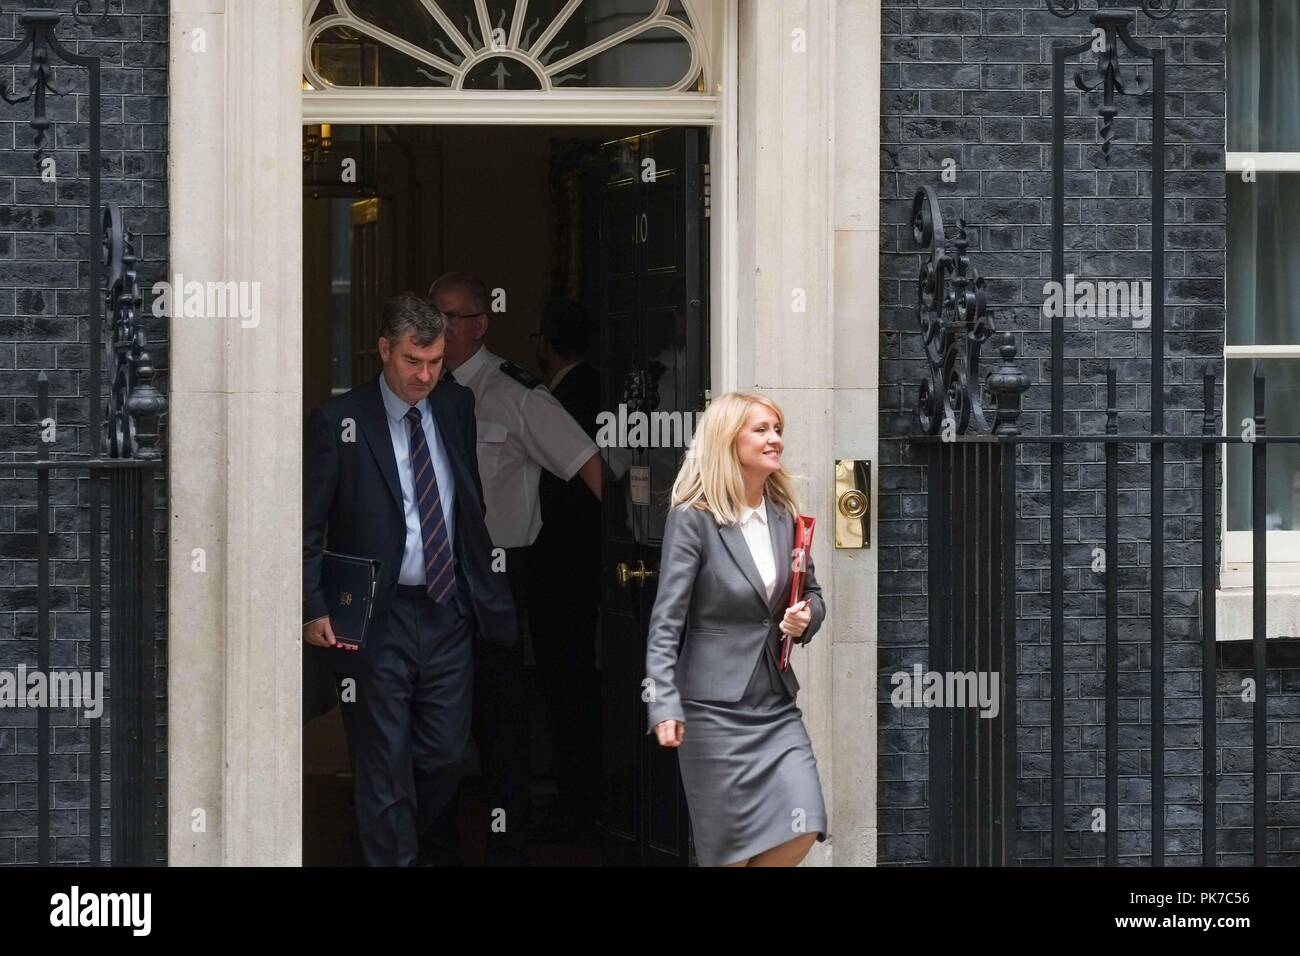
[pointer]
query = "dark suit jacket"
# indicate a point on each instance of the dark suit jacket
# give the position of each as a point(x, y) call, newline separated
point(569, 542)
point(352, 503)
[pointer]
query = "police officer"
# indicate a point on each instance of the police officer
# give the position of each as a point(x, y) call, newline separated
point(522, 430)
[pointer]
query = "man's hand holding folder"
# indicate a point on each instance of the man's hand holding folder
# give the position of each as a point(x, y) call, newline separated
point(319, 633)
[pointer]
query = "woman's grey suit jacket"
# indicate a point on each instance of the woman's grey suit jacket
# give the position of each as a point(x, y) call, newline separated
point(711, 616)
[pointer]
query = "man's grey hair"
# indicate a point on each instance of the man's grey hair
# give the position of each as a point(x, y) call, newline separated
point(466, 282)
point(408, 312)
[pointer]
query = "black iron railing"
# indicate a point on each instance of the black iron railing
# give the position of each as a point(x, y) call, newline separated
point(117, 479)
point(974, 605)
point(977, 546)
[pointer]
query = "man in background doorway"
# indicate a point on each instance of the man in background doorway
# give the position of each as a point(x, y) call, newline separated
point(522, 431)
point(566, 589)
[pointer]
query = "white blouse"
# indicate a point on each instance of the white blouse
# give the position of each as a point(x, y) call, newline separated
point(753, 525)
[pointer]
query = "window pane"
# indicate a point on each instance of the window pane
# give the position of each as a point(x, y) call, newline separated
point(594, 21)
point(463, 15)
point(1264, 75)
point(1282, 417)
point(408, 20)
point(1264, 260)
point(346, 58)
point(655, 58)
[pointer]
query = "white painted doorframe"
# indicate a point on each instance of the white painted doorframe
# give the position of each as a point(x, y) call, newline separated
point(805, 140)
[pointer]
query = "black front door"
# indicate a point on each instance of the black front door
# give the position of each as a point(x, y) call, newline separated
point(653, 289)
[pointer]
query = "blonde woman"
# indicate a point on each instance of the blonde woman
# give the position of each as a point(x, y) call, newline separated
point(715, 634)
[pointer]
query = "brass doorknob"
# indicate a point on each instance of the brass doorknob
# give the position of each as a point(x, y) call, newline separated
point(624, 573)
point(853, 504)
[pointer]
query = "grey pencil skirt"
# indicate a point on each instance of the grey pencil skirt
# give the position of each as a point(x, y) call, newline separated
point(749, 772)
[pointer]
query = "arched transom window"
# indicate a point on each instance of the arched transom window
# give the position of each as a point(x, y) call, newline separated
point(538, 45)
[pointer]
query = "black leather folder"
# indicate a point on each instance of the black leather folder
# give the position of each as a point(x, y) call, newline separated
point(349, 584)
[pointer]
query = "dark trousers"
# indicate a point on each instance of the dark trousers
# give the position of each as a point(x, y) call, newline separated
point(408, 726)
point(500, 723)
point(501, 730)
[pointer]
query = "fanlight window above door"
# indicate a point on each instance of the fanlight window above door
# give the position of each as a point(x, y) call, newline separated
point(539, 45)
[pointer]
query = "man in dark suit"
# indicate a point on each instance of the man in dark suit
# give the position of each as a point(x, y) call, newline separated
point(566, 591)
point(390, 473)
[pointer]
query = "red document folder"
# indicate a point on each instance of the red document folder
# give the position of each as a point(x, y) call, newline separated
point(803, 535)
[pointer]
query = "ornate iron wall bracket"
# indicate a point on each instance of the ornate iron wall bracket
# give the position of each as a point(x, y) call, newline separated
point(954, 324)
point(1108, 75)
point(1109, 78)
point(38, 36)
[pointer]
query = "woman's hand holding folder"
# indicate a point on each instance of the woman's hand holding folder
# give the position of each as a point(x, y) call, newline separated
point(796, 620)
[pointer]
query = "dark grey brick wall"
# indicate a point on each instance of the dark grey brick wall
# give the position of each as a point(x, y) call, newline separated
point(971, 82)
point(43, 326)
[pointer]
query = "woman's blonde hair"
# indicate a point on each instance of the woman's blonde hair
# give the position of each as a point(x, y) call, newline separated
point(710, 478)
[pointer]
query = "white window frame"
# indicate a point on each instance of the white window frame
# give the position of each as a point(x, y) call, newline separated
point(1283, 547)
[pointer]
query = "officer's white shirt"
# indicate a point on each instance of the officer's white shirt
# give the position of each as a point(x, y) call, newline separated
point(521, 430)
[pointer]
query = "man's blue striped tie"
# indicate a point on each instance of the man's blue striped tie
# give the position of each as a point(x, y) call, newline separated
point(439, 571)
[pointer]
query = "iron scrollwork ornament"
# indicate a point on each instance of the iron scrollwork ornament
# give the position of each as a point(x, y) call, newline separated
point(1155, 9)
point(82, 8)
point(1063, 8)
point(134, 406)
point(954, 324)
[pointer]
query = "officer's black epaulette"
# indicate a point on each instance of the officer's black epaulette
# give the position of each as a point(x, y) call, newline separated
point(521, 375)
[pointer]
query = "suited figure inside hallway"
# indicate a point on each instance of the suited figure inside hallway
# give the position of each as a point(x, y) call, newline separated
point(390, 473)
point(522, 432)
point(566, 588)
